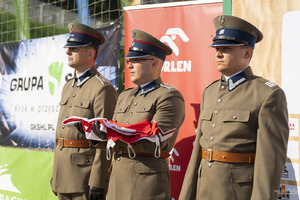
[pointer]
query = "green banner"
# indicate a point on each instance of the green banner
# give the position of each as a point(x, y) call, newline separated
point(25, 174)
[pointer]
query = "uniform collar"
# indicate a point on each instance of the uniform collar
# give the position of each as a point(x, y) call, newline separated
point(149, 87)
point(85, 76)
point(238, 79)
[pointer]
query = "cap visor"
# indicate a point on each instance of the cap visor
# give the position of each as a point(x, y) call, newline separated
point(220, 43)
point(75, 44)
point(135, 54)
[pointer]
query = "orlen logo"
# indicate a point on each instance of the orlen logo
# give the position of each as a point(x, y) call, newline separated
point(173, 167)
point(5, 180)
point(180, 65)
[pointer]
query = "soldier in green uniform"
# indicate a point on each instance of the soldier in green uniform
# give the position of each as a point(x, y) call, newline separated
point(143, 171)
point(80, 172)
point(241, 142)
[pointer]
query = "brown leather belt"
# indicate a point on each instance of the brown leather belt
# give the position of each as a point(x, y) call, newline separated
point(73, 143)
point(212, 155)
point(163, 154)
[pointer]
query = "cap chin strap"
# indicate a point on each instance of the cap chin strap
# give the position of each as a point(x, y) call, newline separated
point(136, 49)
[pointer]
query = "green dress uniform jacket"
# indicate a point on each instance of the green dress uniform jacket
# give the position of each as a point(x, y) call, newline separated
point(89, 96)
point(145, 177)
point(246, 114)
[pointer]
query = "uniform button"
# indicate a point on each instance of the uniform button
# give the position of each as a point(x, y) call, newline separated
point(212, 138)
point(135, 103)
point(67, 116)
point(213, 125)
point(144, 108)
point(87, 160)
point(63, 126)
point(216, 112)
point(126, 123)
point(219, 100)
point(74, 95)
point(81, 103)
point(70, 106)
point(209, 164)
point(250, 177)
point(234, 117)
point(119, 159)
point(222, 87)
point(131, 113)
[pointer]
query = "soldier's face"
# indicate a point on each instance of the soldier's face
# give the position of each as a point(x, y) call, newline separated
point(141, 70)
point(77, 57)
point(232, 59)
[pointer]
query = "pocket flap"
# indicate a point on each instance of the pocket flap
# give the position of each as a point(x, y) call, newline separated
point(122, 109)
point(82, 159)
point(206, 114)
point(145, 107)
point(63, 101)
point(242, 174)
point(235, 115)
point(83, 103)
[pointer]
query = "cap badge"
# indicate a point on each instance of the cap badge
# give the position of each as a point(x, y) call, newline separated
point(133, 35)
point(222, 21)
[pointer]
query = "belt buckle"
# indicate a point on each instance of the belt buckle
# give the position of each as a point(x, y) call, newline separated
point(61, 143)
point(210, 154)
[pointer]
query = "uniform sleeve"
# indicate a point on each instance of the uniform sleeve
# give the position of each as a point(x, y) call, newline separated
point(104, 105)
point(189, 185)
point(272, 137)
point(169, 115)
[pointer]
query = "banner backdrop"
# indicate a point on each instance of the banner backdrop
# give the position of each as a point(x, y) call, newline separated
point(188, 29)
point(33, 74)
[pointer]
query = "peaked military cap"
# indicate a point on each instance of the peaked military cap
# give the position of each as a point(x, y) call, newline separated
point(234, 31)
point(145, 44)
point(82, 35)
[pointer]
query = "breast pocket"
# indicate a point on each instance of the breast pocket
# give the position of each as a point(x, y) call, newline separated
point(82, 103)
point(235, 125)
point(206, 118)
point(63, 101)
point(145, 110)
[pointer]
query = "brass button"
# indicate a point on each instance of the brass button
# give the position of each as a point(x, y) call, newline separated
point(234, 117)
point(135, 103)
point(216, 112)
point(131, 113)
point(219, 100)
point(74, 95)
point(212, 138)
point(70, 106)
point(213, 125)
point(209, 165)
point(67, 116)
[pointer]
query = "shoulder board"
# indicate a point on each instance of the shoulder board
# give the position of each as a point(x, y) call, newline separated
point(213, 83)
point(268, 83)
point(129, 88)
point(169, 87)
point(102, 79)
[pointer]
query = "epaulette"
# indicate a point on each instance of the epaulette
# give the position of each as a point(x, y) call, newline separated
point(169, 87)
point(102, 79)
point(268, 83)
point(129, 88)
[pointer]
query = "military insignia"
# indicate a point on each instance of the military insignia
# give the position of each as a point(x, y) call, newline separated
point(270, 84)
point(133, 35)
point(170, 87)
point(71, 27)
point(148, 88)
point(222, 21)
point(222, 31)
point(236, 80)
